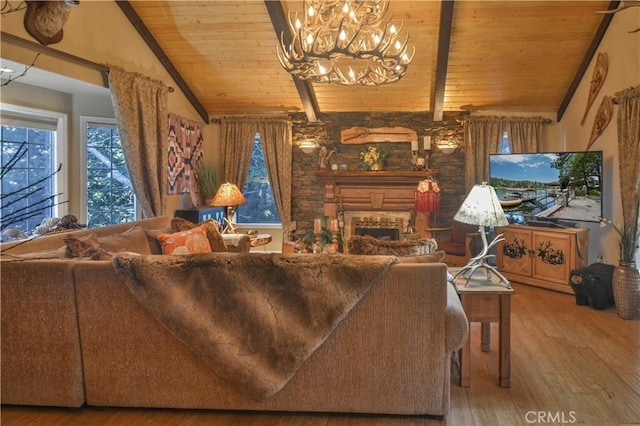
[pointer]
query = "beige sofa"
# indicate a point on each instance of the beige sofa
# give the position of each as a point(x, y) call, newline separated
point(72, 333)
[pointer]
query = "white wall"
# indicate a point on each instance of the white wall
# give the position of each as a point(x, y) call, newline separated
point(97, 31)
point(623, 51)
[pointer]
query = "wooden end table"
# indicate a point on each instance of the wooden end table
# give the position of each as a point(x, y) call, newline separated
point(486, 301)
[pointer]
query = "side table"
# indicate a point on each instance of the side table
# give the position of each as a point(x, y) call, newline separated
point(486, 300)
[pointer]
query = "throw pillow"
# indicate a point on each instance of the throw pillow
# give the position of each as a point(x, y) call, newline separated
point(152, 238)
point(213, 234)
point(184, 242)
point(435, 257)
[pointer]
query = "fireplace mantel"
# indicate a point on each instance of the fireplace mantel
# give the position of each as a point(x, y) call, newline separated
point(385, 178)
point(369, 190)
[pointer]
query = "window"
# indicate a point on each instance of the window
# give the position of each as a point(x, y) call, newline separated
point(261, 207)
point(505, 148)
point(109, 194)
point(31, 150)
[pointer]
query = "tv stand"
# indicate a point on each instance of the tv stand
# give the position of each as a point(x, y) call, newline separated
point(542, 257)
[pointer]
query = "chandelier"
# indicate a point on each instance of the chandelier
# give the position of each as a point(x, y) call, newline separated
point(347, 42)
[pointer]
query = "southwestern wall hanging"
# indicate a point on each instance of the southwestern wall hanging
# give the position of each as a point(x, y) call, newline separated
point(600, 71)
point(185, 152)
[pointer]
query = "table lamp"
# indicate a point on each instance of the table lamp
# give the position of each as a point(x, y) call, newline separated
point(482, 207)
point(228, 196)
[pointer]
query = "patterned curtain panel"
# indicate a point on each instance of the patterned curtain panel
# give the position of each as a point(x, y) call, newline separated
point(482, 136)
point(184, 154)
point(237, 136)
point(629, 153)
point(276, 142)
point(140, 106)
point(524, 133)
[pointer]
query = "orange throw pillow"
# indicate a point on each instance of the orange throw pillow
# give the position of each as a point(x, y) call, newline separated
point(184, 242)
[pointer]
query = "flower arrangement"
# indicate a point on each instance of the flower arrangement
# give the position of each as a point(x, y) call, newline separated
point(628, 239)
point(374, 154)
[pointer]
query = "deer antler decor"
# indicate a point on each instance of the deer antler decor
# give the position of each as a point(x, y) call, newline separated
point(625, 4)
point(44, 20)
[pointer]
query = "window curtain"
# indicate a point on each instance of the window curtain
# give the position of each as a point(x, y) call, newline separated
point(629, 153)
point(237, 136)
point(276, 136)
point(140, 106)
point(524, 133)
point(482, 136)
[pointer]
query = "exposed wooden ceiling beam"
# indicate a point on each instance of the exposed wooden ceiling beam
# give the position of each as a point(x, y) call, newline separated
point(588, 57)
point(146, 35)
point(444, 39)
point(281, 27)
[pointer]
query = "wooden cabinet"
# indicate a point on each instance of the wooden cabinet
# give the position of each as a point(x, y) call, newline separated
point(543, 257)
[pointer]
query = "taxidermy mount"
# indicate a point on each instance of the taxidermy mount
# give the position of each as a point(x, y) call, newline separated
point(44, 20)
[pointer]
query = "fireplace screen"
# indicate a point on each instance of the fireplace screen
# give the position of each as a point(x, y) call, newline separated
point(377, 227)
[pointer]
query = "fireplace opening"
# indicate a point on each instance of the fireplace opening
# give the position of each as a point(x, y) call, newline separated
point(378, 227)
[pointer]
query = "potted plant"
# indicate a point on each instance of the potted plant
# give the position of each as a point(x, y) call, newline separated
point(374, 157)
point(626, 278)
point(207, 181)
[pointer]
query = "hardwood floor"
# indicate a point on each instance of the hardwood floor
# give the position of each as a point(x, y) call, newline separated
point(569, 365)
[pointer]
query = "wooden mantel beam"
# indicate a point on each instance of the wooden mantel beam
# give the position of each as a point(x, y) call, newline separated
point(305, 90)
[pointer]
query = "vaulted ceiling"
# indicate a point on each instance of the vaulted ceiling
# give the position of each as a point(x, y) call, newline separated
point(470, 55)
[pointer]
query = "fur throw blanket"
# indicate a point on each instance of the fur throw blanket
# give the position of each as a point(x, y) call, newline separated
point(252, 318)
point(365, 244)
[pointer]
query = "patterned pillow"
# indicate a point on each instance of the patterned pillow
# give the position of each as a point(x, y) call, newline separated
point(184, 242)
point(213, 234)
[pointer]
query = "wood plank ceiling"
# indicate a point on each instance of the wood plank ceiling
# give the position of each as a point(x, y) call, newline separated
point(503, 55)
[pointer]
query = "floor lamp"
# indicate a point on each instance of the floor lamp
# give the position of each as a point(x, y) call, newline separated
point(482, 207)
point(228, 196)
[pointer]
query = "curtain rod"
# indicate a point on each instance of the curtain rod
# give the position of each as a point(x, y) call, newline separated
point(19, 41)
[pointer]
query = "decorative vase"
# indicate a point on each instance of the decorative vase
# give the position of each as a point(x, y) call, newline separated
point(377, 166)
point(626, 290)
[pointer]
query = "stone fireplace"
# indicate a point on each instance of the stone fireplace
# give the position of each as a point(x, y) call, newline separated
point(380, 204)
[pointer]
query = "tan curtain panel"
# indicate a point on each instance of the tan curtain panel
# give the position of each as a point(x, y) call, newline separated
point(237, 136)
point(524, 133)
point(276, 136)
point(482, 136)
point(629, 153)
point(140, 106)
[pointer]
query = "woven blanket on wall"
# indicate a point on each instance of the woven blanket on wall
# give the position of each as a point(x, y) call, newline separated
point(252, 318)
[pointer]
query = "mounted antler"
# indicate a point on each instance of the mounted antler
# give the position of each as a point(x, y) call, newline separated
point(624, 4)
point(44, 20)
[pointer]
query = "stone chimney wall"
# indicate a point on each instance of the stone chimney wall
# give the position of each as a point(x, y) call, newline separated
point(307, 190)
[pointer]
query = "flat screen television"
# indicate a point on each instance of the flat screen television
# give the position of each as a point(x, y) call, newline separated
point(549, 188)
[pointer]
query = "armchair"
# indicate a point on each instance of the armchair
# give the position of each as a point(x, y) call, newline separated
point(463, 243)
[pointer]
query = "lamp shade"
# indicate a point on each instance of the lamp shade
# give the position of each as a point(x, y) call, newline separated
point(482, 207)
point(427, 196)
point(228, 195)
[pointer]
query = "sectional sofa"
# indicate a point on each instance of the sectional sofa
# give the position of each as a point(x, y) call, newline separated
point(74, 332)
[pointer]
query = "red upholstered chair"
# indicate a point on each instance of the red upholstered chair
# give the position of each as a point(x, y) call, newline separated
point(464, 242)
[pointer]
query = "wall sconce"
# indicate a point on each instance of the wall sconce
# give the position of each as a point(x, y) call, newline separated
point(448, 147)
point(308, 146)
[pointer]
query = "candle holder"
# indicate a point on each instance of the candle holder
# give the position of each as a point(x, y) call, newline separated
point(317, 246)
point(420, 163)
